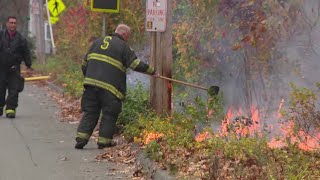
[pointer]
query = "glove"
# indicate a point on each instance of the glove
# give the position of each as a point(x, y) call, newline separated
point(156, 74)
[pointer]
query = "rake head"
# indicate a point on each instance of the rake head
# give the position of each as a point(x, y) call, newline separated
point(213, 90)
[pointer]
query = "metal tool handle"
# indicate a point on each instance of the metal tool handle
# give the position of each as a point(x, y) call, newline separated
point(181, 82)
point(36, 78)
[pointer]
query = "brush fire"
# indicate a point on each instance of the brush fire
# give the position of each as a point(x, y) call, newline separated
point(236, 123)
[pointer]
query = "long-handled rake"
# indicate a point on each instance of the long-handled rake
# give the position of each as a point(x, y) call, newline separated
point(212, 90)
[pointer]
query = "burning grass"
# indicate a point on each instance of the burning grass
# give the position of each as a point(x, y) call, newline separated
point(241, 150)
point(210, 155)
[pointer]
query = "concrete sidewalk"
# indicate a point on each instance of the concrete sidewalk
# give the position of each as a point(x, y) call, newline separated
point(37, 146)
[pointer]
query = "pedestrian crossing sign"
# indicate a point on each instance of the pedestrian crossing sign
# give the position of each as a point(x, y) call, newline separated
point(56, 7)
point(54, 20)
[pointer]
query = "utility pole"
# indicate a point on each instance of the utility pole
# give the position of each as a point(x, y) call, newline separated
point(39, 28)
point(50, 28)
point(103, 25)
point(161, 59)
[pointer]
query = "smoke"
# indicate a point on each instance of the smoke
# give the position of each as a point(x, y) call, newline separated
point(295, 57)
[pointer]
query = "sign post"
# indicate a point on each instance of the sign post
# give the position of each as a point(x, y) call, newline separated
point(52, 20)
point(158, 22)
point(39, 30)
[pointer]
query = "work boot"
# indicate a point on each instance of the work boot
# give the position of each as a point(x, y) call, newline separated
point(80, 143)
point(10, 113)
point(102, 146)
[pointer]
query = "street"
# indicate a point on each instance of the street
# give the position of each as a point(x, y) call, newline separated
point(37, 146)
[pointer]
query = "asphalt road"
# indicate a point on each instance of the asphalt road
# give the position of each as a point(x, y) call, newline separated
point(37, 146)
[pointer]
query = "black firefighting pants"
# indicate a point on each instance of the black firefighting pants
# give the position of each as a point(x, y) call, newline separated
point(10, 80)
point(95, 101)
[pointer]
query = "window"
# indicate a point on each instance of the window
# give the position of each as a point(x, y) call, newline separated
point(47, 31)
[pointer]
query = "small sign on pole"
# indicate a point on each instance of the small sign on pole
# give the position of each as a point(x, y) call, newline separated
point(54, 20)
point(56, 7)
point(35, 7)
point(156, 15)
point(110, 6)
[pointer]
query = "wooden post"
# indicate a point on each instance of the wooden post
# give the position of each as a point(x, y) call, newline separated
point(153, 63)
point(161, 59)
point(54, 50)
point(103, 25)
point(39, 25)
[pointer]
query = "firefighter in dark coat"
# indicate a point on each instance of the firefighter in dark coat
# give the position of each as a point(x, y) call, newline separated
point(13, 50)
point(104, 68)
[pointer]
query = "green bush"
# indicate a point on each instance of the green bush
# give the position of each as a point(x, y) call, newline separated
point(32, 46)
point(73, 80)
point(66, 74)
point(137, 101)
point(303, 110)
point(153, 151)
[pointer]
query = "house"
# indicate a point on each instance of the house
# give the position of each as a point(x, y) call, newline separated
point(34, 12)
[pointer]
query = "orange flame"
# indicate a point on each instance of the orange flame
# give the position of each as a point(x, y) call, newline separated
point(305, 141)
point(240, 129)
point(150, 136)
point(203, 136)
point(256, 121)
point(276, 143)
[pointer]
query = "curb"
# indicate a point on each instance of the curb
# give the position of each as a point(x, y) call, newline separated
point(54, 87)
point(150, 167)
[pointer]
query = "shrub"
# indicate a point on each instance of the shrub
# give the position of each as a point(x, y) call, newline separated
point(66, 74)
point(304, 114)
point(137, 101)
point(32, 46)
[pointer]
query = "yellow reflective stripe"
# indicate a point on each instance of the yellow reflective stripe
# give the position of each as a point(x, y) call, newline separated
point(134, 64)
point(103, 140)
point(10, 111)
point(106, 59)
point(104, 85)
point(150, 70)
point(122, 68)
point(83, 135)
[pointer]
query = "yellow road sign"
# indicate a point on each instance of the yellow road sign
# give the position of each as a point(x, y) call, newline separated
point(56, 7)
point(54, 20)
